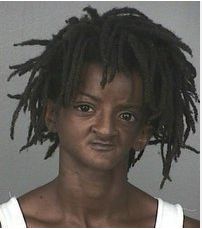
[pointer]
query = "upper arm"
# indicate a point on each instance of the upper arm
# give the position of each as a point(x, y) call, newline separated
point(189, 222)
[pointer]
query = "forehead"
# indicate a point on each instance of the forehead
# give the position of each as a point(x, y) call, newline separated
point(122, 88)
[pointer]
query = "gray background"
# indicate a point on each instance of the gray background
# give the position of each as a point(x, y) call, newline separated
point(20, 173)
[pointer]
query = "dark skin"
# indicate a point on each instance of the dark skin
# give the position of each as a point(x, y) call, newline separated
point(96, 131)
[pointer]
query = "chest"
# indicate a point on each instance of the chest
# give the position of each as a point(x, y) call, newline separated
point(148, 222)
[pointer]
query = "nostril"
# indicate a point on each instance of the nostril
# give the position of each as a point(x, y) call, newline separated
point(94, 130)
point(104, 132)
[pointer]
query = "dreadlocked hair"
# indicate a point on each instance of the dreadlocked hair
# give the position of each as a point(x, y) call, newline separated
point(121, 40)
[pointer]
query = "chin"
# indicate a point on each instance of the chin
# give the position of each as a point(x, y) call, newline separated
point(104, 161)
point(102, 166)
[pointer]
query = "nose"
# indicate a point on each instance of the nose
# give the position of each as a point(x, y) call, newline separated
point(105, 125)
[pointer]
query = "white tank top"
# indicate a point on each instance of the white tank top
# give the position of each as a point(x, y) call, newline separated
point(168, 215)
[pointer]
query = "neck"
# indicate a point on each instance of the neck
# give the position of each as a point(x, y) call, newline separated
point(87, 192)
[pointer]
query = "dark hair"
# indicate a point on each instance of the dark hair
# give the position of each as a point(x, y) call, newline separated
point(121, 40)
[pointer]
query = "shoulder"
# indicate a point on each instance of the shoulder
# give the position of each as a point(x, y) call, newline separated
point(189, 222)
point(143, 207)
point(29, 202)
point(37, 205)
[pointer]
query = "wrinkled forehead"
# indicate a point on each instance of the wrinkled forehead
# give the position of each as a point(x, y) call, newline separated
point(122, 87)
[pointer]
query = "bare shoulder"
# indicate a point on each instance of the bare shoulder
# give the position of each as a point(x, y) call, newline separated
point(35, 205)
point(144, 206)
point(190, 222)
point(142, 198)
point(32, 200)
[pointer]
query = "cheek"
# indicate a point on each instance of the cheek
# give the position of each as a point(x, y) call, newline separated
point(71, 129)
point(128, 136)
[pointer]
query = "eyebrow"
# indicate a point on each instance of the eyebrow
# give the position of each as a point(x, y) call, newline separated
point(97, 99)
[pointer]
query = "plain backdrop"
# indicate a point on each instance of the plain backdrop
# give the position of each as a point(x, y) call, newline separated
point(20, 173)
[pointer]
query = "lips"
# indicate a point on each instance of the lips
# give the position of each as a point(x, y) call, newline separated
point(102, 145)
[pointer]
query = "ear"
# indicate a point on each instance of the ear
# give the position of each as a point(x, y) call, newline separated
point(50, 116)
point(143, 137)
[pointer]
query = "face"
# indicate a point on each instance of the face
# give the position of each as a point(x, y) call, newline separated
point(100, 126)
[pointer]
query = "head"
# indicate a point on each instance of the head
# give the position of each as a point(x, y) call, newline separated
point(123, 43)
point(112, 116)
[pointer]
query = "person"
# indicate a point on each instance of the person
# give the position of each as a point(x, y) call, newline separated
point(104, 88)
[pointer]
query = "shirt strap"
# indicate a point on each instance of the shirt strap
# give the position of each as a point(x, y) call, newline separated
point(169, 215)
point(11, 214)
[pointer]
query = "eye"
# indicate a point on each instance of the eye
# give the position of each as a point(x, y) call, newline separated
point(127, 116)
point(84, 108)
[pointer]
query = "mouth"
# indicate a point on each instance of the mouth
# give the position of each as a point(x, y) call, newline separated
point(102, 146)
